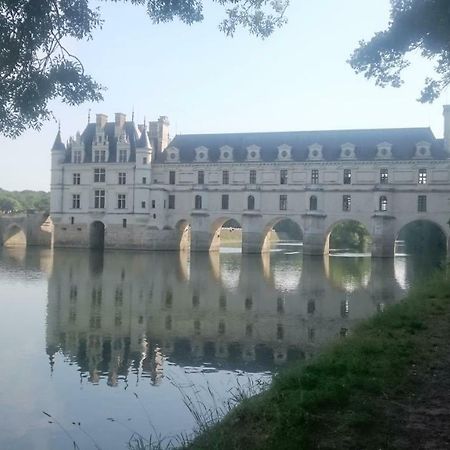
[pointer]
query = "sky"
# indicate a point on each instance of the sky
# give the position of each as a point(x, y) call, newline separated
point(205, 82)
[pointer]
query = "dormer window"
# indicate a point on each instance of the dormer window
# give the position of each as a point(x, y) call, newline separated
point(99, 156)
point(226, 153)
point(173, 155)
point(315, 152)
point(284, 152)
point(347, 151)
point(201, 154)
point(77, 156)
point(423, 150)
point(384, 150)
point(253, 153)
point(123, 155)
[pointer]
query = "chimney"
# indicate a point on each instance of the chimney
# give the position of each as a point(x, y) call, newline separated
point(447, 128)
point(163, 133)
point(119, 122)
point(101, 120)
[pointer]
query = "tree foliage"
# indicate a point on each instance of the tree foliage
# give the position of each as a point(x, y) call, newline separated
point(36, 67)
point(350, 235)
point(20, 201)
point(416, 26)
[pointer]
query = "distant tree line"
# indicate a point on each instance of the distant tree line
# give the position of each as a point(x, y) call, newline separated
point(20, 201)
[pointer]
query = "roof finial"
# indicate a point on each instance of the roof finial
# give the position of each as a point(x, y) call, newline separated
point(145, 122)
point(132, 114)
point(59, 126)
point(89, 116)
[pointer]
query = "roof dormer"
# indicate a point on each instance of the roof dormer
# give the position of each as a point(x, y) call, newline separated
point(226, 153)
point(384, 150)
point(423, 150)
point(201, 154)
point(284, 153)
point(173, 155)
point(315, 152)
point(348, 151)
point(253, 153)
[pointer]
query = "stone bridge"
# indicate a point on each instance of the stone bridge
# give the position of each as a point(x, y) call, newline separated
point(33, 228)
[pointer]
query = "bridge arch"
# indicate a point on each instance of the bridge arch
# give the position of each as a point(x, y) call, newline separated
point(183, 228)
point(226, 231)
point(286, 225)
point(348, 234)
point(14, 236)
point(97, 235)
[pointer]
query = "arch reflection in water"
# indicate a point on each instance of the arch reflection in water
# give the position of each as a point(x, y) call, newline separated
point(136, 312)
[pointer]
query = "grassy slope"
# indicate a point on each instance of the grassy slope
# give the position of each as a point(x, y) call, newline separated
point(347, 396)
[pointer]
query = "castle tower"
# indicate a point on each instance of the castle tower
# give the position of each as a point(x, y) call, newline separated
point(58, 153)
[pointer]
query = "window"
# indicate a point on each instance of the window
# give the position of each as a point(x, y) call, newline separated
point(225, 201)
point(315, 176)
point(144, 180)
point(383, 203)
point(99, 156)
point(165, 203)
point(225, 177)
point(283, 176)
point(153, 204)
point(123, 156)
point(198, 202)
point(77, 156)
point(144, 160)
point(99, 175)
point(313, 203)
point(172, 177)
point(121, 201)
point(346, 202)
point(72, 220)
point(422, 203)
point(122, 178)
point(99, 199)
point(252, 176)
point(124, 223)
point(347, 176)
point(422, 176)
point(200, 177)
point(250, 202)
point(76, 201)
point(143, 205)
point(384, 178)
point(283, 202)
point(76, 178)
point(171, 201)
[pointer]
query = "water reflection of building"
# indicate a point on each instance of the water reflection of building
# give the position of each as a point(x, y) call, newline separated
point(118, 312)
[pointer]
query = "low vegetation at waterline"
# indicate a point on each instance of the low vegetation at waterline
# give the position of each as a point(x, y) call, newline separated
point(369, 391)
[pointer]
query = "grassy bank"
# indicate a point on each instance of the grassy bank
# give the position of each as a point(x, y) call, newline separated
point(354, 395)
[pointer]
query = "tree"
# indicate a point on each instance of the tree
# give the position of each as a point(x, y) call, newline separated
point(416, 26)
point(35, 66)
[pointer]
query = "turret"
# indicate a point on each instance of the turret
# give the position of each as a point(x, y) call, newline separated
point(56, 183)
point(447, 128)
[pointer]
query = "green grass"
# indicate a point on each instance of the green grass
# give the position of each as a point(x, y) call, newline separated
point(347, 396)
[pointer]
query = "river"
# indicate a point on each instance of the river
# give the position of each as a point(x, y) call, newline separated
point(122, 344)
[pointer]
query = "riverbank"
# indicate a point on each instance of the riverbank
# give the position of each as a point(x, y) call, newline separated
point(385, 387)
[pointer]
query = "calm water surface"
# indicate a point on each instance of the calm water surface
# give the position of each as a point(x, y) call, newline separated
point(131, 336)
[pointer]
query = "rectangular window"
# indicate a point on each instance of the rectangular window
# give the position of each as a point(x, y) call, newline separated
point(171, 201)
point(422, 176)
point(225, 177)
point(346, 203)
point(314, 176)
point(283, 176)
point(143, 205)
point(76, 201)
point(144, 160)
point(283, 202)
point(347, 176)
point(72, 220)
point(123, 157)
point(99, 199)
point(172, 177)
point(124, 223)
point(422, 203)
point(165, 203)
point(99, 155)
point(225, 201)
point(252, 176)
point(121, 201)
point(144, 180)
point(200, 177)
point(384, 177)
point(122, 178)
point(153, 204)
point(99, 175)
point(76, 178)
point(77, 156)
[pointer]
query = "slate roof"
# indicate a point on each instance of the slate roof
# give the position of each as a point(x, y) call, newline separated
point(58, 144)
point(403, 142)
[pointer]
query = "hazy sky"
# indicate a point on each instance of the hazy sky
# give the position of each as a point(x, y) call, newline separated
point(298, 79)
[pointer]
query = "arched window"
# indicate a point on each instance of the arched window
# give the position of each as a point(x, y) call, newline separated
point(383, 203)
point(250, 202)
point(198, 202)
point(313, 203)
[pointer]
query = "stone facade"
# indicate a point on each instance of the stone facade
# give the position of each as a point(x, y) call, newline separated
point(149, 193)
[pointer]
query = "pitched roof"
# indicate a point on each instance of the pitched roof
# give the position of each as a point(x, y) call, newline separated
point(58, 144)
point(403, 142)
